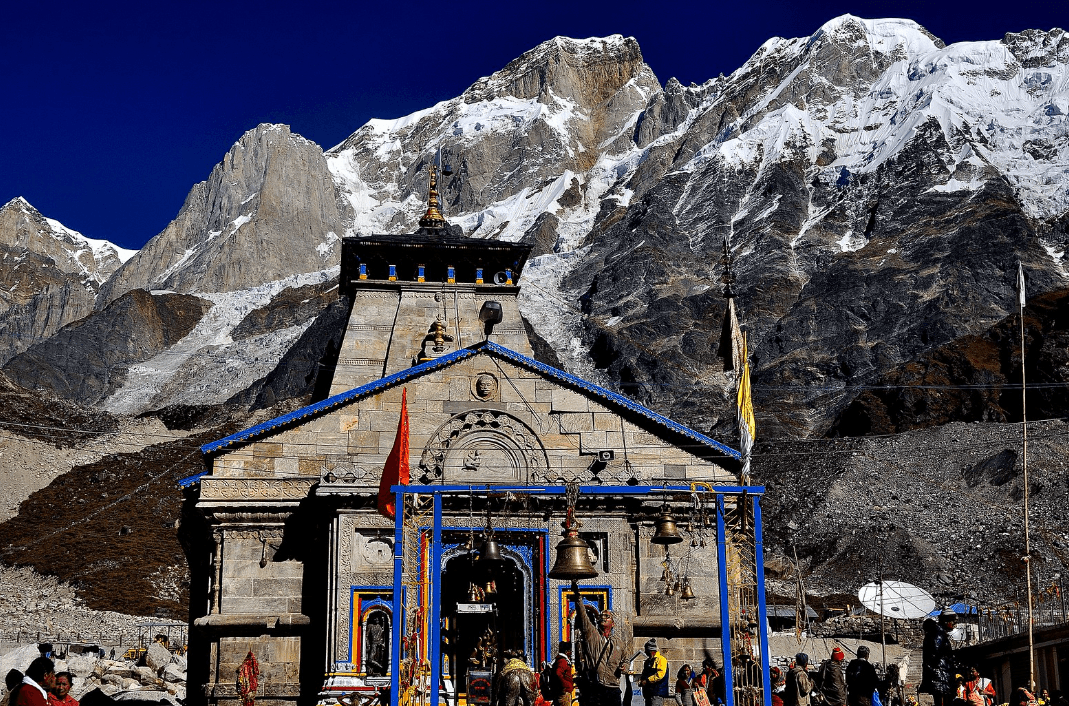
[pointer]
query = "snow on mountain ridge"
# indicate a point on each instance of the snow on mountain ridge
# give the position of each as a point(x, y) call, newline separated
point(104, 257)
point(976, 84)
point(543, 106)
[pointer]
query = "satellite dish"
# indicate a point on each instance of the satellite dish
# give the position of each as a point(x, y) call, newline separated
point(898, 599)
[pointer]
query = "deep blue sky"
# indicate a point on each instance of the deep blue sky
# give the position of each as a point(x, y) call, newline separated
point(112, 111)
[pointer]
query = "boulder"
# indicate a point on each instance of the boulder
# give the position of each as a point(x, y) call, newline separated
point(80, 665)
point(180, 660)
point(146, 696)
point(157, 656)
point(19, 658)
point(112, 680)
point(145, 675)
point(173, 673)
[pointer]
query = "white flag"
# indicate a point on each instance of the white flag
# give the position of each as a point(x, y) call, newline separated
point(1020, 283)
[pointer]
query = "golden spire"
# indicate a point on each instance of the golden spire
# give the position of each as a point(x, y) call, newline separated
point(433, 217)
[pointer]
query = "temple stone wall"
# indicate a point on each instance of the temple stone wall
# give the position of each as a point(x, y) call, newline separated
point(273, 588)
point(562, 428)
point(390, 327)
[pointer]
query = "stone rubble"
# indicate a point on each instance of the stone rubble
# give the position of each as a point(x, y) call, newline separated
point(121, 679)
point(33, 605)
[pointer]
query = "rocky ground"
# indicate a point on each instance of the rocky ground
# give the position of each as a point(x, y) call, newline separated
point(941, 508)
point(32, 605)
point(158, 675)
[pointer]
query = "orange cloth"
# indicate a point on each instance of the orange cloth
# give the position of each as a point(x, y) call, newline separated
point(395, 472)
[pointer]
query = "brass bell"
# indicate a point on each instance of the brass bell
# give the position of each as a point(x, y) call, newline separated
point(490, 551)
point(491, 588)
point(669, 590)
point(667, 531)
point(573, 556)
point(687, 593)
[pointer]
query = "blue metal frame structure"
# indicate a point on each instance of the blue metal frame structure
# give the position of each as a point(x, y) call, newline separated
point(725, 606)
point(434, 636)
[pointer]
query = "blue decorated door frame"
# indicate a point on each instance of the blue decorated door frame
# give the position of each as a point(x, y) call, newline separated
point(745, 497)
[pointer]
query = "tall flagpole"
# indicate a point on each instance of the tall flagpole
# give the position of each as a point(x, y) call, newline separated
point(1024, 457)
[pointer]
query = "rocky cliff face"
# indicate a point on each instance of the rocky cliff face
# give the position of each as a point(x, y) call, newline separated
point(89, 359)
point(268, 211)
point(49, 275)
point(540, 136)
point(876, 186)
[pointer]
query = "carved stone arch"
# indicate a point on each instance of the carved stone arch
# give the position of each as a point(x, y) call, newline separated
point(484, 446)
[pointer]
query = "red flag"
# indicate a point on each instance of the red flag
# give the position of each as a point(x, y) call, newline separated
point(395, 472)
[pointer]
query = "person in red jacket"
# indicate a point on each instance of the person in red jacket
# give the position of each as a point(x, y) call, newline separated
point(40, 676)
point(561, 684)
point(60, 694)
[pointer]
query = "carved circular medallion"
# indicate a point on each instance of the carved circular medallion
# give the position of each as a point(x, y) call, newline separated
point(485, 387)
point(484, 446)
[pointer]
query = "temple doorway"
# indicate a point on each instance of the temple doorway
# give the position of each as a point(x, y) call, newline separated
point(486, 614)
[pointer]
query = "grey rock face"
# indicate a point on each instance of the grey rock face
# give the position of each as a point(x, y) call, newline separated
point(49, 275)
point(517, 140)
point(939, 508)
point(88, 359)
point(268, 210)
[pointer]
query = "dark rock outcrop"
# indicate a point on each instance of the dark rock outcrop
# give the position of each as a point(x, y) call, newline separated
point(87, 360)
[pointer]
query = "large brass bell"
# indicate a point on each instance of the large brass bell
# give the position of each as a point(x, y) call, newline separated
point(687, 593)
point(573, 555)
point(667, 531)
point(490, 551)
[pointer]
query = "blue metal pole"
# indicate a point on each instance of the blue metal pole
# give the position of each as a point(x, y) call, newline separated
point(725, 606)
point(398, 599)
point(762, 610)
point(434, 642)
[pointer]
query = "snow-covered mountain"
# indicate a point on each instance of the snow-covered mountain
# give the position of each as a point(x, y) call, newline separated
point(49, 275)
point(876, 186)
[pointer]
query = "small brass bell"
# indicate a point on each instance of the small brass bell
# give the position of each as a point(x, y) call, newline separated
point(669, 590)
point(667, 531)
point(687, 593)
point(491, 588)
point(573, 556)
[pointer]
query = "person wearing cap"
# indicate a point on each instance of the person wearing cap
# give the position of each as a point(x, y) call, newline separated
point(937, 666)
point(861, 679)
point(799, 684)
point(654, 679)
point(560, 681)
point(832, 681)
point(602, 652)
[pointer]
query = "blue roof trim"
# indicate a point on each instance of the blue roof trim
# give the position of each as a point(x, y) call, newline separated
point(192, 480)
point(618, 399)
point(341, 398)
point(447, 360)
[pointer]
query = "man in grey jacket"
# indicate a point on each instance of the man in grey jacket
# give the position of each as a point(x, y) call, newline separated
point(602, 656)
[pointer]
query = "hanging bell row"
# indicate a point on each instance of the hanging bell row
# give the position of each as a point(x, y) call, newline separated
point(667, 530)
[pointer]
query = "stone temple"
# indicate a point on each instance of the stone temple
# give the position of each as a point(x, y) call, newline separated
point(291, 560)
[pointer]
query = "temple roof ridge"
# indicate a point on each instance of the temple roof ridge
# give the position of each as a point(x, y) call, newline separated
point(612, 399)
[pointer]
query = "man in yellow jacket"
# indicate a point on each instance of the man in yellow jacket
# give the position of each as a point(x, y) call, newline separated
point(654, 681)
